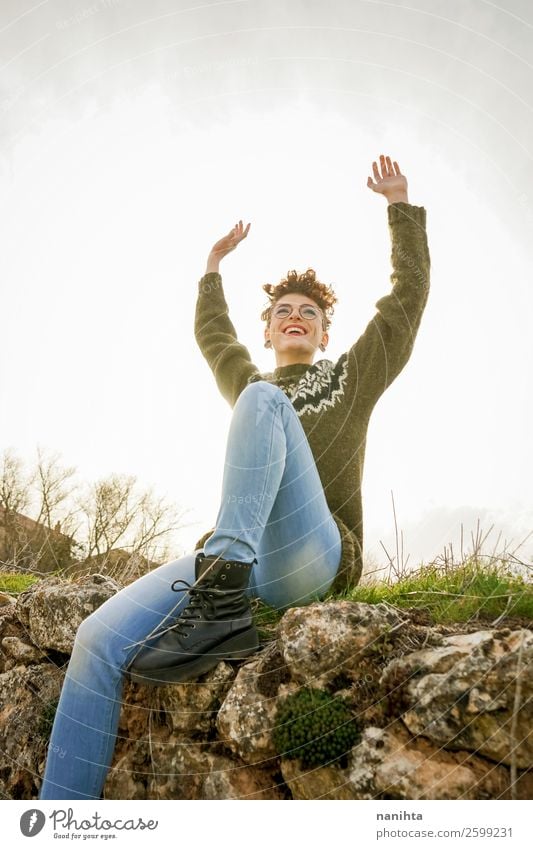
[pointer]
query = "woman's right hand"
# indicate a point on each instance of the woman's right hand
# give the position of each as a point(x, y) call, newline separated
point(229, 242)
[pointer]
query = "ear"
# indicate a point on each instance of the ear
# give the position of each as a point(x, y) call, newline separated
point(325, 339)
point(267, 333)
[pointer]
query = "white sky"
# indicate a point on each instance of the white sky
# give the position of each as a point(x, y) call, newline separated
point(135, 135)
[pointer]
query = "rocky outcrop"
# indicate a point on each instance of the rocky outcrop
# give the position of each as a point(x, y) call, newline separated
point(53, 610)
point(441, 713)
point(462, 696)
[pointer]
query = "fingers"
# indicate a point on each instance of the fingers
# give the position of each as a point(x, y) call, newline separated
point(388, 169)
point(237, 231)
point(386, 166)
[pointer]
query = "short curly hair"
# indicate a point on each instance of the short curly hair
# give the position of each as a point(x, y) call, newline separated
point(307, 284)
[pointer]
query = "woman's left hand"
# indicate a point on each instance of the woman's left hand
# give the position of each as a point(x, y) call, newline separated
point(391, 182)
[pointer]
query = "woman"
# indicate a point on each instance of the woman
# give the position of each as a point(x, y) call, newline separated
point(289, 525)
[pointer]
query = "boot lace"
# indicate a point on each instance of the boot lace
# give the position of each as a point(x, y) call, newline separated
point(201, 599)
point(187, 588)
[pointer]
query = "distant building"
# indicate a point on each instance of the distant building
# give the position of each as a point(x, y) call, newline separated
point(27, 544)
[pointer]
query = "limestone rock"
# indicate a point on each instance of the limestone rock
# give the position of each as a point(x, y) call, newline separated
point(322, 640)
point(127, 777)
point(27, 703)
point(7, 599)
point(192, 707)
point(231, 780)
point(52, 610)
point(186, 770)
point(388, 764)
point(463, 696)
point(324, 782)
point(180, 769)
point(10, 626)
point(247, 715)
point(170, 769)
point(438, 722)
point(189, 709)
point(20, 652)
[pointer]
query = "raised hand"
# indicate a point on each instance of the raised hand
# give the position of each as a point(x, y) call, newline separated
point(391, 182)
point(230, 241)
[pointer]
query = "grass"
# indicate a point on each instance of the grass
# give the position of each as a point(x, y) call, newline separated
point(16, 582)
point(473, 589)
point(479, 588)
point(482, 587)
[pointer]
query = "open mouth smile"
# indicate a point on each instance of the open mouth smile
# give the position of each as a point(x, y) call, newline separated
point(295, 330)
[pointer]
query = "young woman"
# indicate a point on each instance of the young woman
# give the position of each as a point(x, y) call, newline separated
point(289, 525)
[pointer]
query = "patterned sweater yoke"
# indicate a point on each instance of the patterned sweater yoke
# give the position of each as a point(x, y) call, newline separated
point(334, 400)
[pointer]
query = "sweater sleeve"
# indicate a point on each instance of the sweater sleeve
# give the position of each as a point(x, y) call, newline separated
point(384, 348)
point(215, 334)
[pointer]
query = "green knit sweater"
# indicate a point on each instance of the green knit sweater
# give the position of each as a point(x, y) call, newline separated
point(334, 400)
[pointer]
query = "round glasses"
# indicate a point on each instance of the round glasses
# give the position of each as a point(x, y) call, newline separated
point(305, 311)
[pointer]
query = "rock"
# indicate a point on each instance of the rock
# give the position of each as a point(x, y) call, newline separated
point(181, 770)
point(10, 626)
point(387, 763)
point(325, 782)
point(463, 695)
point(322, 640)
point(188, 709)
point(193, 707)
point(7, 599)
point(230, 780)
point(27, 705)
point(128, 775)
point(53, 609)
point(20, 652)
point(437, 722)
point(247, 715)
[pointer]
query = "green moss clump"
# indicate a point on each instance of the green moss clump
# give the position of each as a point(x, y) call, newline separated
point(315, 727)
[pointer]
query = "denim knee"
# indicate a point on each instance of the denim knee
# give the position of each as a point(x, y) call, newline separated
point(95, 642)
point(262, 398)
point(262, 387)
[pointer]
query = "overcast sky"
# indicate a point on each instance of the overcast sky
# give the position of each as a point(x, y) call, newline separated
point(135, 134)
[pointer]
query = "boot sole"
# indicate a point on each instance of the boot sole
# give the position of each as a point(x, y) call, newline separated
point(235, 648)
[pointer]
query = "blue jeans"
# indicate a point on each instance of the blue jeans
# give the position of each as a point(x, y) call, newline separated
point(273, 509)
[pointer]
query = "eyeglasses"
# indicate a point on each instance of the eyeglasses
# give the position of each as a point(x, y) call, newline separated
point(305, 311)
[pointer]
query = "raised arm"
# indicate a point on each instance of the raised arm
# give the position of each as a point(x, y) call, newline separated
point(215, 334)
point(384, 348)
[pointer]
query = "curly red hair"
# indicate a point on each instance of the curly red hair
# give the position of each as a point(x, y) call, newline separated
point(305, 284)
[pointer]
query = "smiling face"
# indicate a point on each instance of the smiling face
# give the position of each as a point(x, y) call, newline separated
point(295, 339)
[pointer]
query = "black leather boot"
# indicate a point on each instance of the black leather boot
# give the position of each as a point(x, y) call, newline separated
point(216, 625)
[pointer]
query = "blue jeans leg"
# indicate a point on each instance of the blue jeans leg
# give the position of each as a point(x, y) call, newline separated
point(272, 508)
point(273, 505)
point(85, 725)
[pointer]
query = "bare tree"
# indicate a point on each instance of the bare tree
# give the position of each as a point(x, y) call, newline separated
point(53, 484)
point(119, 515)
point(14, 484)
point(15, 496)
point(47, 523)
point(29, 505)
point(109, 510)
